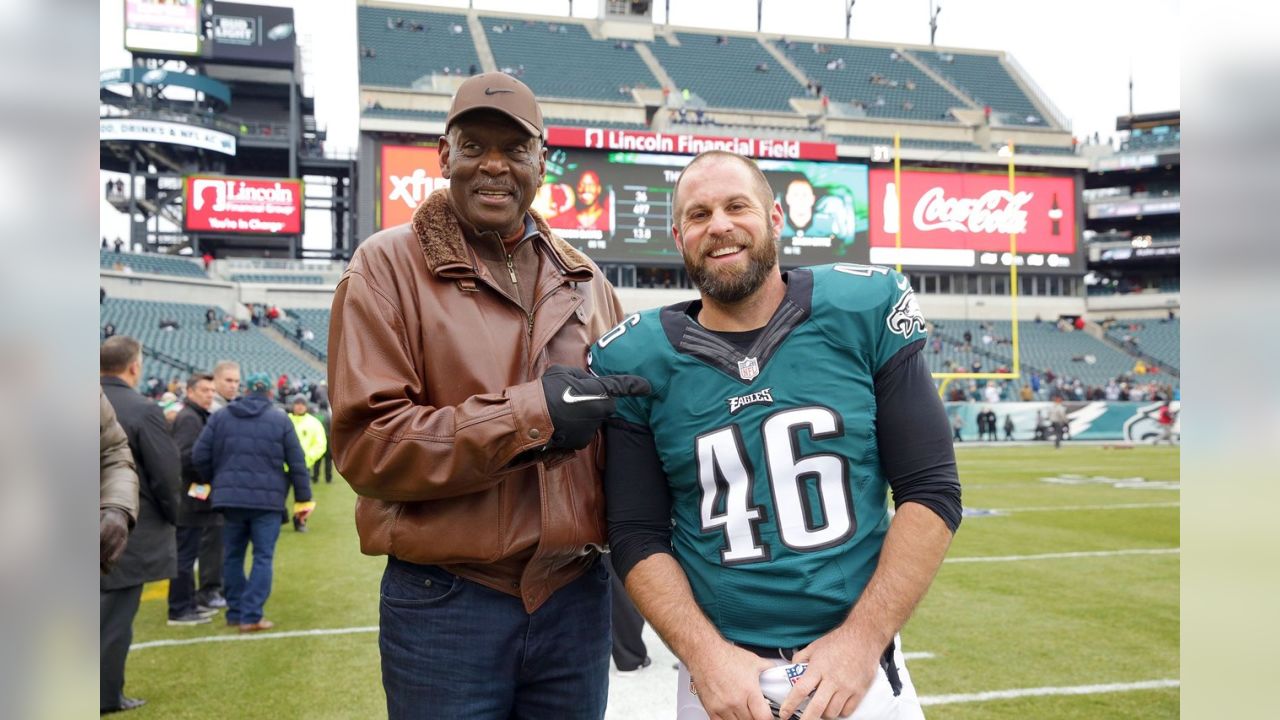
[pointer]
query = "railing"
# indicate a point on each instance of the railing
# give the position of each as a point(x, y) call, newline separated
point(169, 360)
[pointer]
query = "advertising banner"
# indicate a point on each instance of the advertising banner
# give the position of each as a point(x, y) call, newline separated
point(262, 206)
point(963, 220)
point(252, 34)
point(407, 174)
point(679, 144)
point(1120, 421)
point(163, 131)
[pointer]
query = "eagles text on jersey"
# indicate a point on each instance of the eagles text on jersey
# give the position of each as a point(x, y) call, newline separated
point(778, 499)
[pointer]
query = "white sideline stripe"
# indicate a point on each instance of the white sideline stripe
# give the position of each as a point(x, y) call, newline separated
point(1108, 506)
point(1058, 556)
point(254, 636)
point(1044, 691)
point(335, 631)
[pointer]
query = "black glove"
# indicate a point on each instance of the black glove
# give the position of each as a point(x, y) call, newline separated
point(113, 534)
point(579, 401)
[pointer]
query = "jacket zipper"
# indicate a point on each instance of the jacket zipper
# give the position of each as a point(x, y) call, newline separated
point(511, 270)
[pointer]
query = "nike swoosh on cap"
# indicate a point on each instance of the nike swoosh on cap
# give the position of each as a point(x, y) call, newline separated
point(495, 91)
point(570, 398)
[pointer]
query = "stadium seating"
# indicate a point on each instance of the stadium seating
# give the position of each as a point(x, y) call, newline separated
point(1158, 338)
point(725, 76)
point(574, 122)
point(561, 60)
point(985, 79)
point(1045, 150)
point(278, 278)
point(1161, 138)
point(314, 319)
point(907, 143)
point(152, 263)
point(1043, 347)
point(401, 55)
point(902, 91)
point(404, 114)
point(191, 343)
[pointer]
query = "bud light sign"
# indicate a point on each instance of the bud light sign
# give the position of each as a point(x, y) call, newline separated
point(243, 205)
point(965, 220)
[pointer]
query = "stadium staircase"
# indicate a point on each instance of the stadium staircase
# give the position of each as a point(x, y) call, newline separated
point(483, 50)
point(300, 349)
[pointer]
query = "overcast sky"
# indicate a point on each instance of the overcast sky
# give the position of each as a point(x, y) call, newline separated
point(1080, 53)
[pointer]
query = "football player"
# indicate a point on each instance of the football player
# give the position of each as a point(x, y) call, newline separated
point(747, 494)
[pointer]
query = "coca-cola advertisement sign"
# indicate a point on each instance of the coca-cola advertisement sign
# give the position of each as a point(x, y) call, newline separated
point(267, 206)
point(965, 219)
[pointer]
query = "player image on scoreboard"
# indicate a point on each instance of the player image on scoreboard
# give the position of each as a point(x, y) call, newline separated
point(574, 201)
point(820, 208)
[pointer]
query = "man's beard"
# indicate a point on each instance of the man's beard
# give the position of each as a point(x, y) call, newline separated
point(729, 287)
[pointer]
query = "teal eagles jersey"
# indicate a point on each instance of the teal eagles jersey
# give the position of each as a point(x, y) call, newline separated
point(778, 500)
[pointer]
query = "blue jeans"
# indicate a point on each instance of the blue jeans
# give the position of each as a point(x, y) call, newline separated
point(245, 597)
point(454, 648)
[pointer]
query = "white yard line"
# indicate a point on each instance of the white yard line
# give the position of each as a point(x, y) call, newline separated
point(1106, 506)
point(253, 636)
point(1063, 555)
point(1046, 691)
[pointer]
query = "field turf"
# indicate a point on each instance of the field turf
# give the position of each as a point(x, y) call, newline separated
point(1100, 610)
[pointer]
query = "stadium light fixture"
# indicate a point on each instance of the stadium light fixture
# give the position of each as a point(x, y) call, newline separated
point(848, 18)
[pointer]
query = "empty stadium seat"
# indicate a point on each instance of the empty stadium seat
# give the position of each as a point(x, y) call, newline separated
point(402, 55)
point(725, 75)
point(903, 92)
point(985, 79)
point(1156, 337)
point(278, 278)
point(561, 60)
point(152, 263)
point(191, 343)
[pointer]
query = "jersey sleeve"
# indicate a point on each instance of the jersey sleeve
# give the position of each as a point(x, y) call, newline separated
point(869, 309)
point(901, 323)
point(621, 351)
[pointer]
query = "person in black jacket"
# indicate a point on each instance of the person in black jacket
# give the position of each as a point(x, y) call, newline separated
point(151, 551)
point(194, 509)
point(250, 454)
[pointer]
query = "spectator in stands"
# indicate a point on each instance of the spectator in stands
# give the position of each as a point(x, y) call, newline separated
point(992, 394)
point(119, 245)
point(207, 259)
point(243, 452)
point(108, 330)
point(762, 67)
point(487, 448)
point(150, 552)
point(104, 237)
point(194, 511)
point(1026, 394)
point(968, 340)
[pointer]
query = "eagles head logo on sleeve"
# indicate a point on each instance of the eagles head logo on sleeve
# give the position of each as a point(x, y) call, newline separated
point(906, 319)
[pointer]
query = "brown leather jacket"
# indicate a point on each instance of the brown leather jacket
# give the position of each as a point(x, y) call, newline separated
point(117, 477)
point(439, 417)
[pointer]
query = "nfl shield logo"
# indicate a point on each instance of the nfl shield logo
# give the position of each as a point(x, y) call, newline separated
point(748, 369)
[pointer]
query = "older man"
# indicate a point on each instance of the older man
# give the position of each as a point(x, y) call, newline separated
point(463, 417)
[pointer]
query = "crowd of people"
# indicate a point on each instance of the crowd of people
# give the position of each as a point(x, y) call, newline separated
point(211, 470)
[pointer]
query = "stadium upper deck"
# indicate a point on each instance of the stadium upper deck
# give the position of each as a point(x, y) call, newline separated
point(844, 91)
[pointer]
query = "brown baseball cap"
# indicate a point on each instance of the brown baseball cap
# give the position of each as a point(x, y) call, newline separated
point(499, 92)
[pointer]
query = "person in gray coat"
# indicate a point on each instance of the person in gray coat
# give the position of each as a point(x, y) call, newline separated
point(151, 551)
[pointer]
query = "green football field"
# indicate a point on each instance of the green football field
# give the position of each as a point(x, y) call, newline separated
point(1059, 599)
